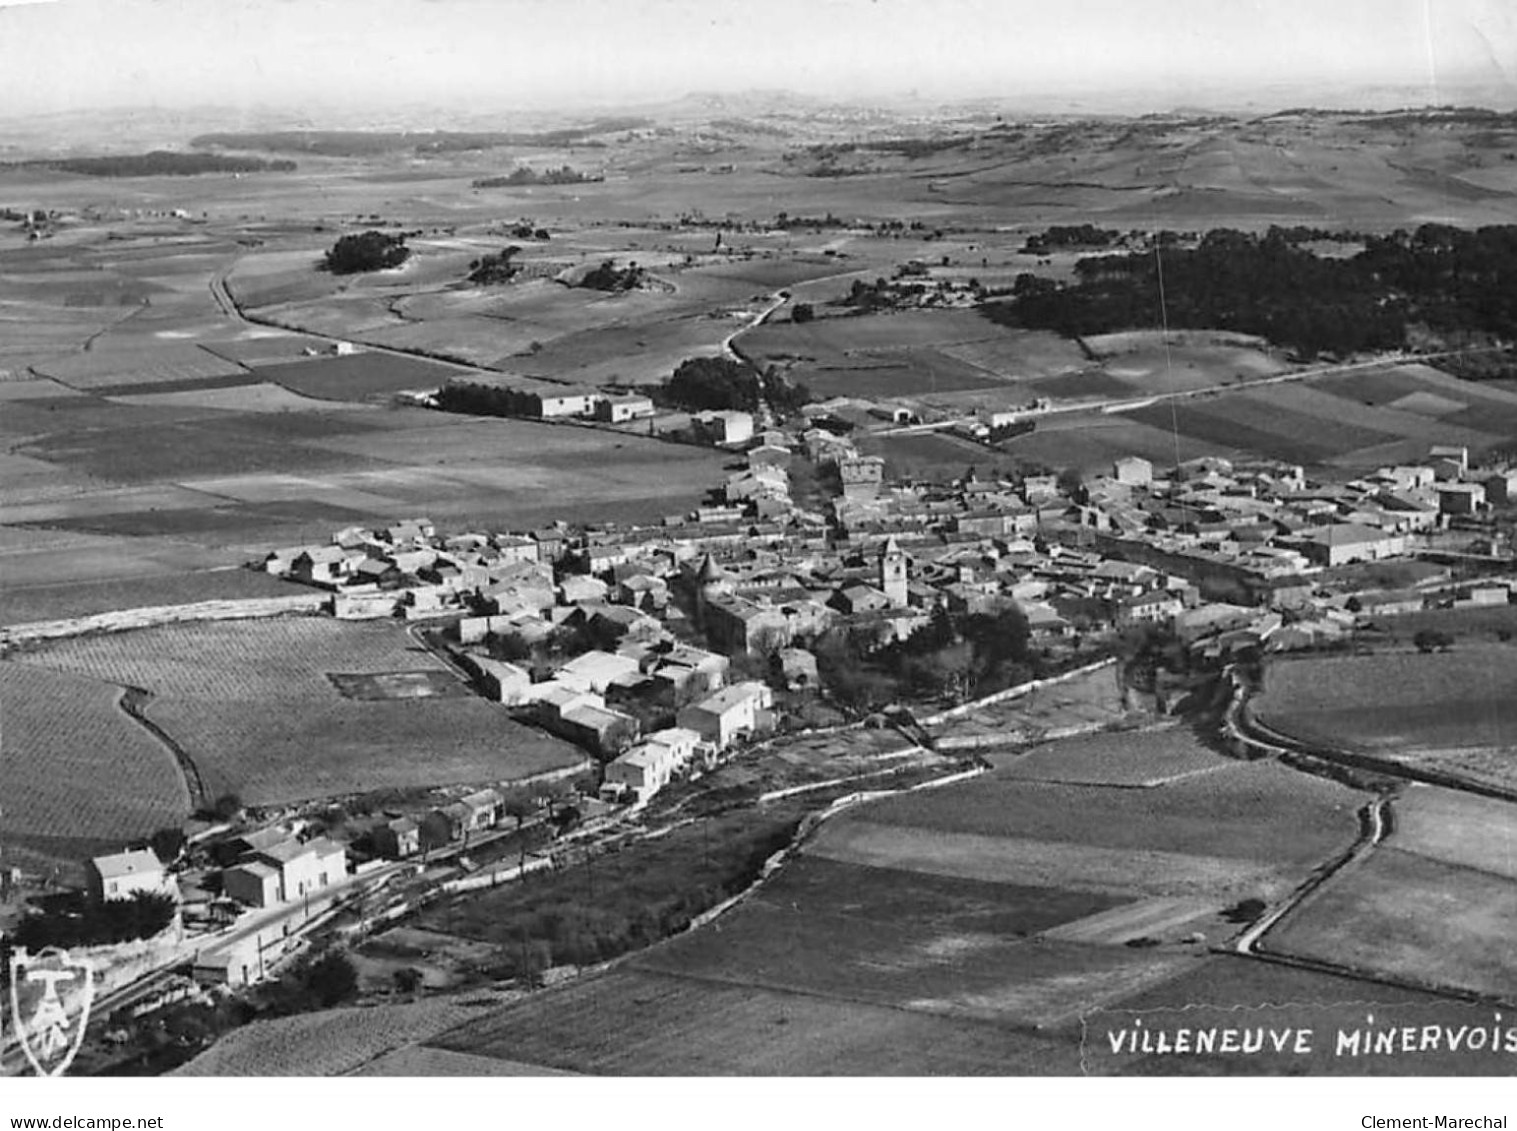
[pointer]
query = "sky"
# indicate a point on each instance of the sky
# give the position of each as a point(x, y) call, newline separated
point(60, 55)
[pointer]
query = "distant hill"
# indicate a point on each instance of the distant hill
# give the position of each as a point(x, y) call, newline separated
point(369, 143)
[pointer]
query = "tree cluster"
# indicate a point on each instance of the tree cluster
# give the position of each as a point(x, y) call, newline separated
point(316, 983)
point(609, 277)
point(1067, 236)
point(525, 175)
point(366, 251)
point(598, 909)
point(1445, 280)
point(81, 922)
point(492, 270)
point(702, 384)
point(486, 400)
point(953, 655)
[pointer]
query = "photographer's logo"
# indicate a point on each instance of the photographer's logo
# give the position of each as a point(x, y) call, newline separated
point(50, 1006)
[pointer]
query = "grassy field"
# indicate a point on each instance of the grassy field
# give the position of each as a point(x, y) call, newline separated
point(1398, 704)
point(1034, 861)
point(1457, 828)
point(76, 768)
point(1253, 812)
point(1124, 758)
point(250, 703)
point(1412, 917)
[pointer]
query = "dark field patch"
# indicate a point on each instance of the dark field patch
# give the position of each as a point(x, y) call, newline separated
point(189, 450)
point(127, 389)
point(928, 454)
point(243, 520)
point(1215, 427)
point(1375, 387)
point(32, 603)
point(1228, 980)
point(1092, 383)
point(89, 414)
point(358, 377)
point(1486, 416)
point(903, 373)
point(815, 885)
point(377, 686)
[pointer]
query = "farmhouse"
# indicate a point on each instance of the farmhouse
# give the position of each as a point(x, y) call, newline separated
point(723, 716)
point(505, 682)
point(651, 764)
point(1158, 607)
point(725, 428)
point(1134, 471)
point(558, 404)
point(1460, 498)
point(124, 874)
point(285, 871)
point(620, 409)
point(1501, 488)
point(397, 838)
point(596, 671)
point(324, 565)
point(1342, 543)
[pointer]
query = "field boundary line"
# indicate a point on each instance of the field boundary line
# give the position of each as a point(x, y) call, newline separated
point(134, 701)
point(155, 616)
point(1016, 692)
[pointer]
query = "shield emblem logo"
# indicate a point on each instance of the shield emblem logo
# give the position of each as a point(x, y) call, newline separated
point(51, 994)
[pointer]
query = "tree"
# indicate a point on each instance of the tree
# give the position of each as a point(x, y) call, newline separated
point(1430, 640)
point(331, 979)
point(227, 807)
point(167, 844)
point(367, 251)
point(713, 383)
point(519, 805)
point(803, 312)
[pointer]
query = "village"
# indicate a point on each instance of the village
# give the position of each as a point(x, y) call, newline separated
point(665, 651)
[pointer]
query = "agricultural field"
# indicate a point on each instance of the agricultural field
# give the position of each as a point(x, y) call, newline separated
point(251, 705)
point(335, 1042)
point(641, 1023)
point(1462, 829)
point(999, 905)
point(241, 469)
point(1135, 759)
point(76, 771)
point(103, 581)
point(1255, 822)
point(1087, 702)
point(1450, 711)
point(1417, 919)
point(1366, 418)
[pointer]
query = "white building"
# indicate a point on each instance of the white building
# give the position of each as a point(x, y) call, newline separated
point(725, 715)
point(124, 874)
